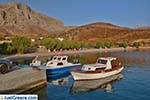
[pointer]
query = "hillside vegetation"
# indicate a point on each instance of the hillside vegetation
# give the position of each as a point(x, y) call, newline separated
point(108, 32)
point(20, 19)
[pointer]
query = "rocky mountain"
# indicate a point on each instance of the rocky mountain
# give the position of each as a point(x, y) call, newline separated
point(17, 18)
point(108, 32)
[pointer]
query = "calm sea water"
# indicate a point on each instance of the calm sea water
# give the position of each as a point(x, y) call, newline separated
point(134, 84)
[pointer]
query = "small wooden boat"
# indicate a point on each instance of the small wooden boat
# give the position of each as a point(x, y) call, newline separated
point(59, 64)
point(102, 69)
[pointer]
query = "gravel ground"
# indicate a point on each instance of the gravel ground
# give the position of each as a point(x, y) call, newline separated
point(18, 78)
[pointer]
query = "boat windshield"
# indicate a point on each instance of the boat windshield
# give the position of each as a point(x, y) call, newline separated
point(100, 61)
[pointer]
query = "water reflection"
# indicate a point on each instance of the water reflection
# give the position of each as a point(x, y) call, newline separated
point(126, 58)
point(41, 93)
point(133, 57)
point(58, 79)
point(83, 86)
point(133, 86)
point(91, 85)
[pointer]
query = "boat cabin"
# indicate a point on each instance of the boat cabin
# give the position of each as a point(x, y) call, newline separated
point(106, 62)
point(101, 63)
point(58, 61)
point(60, 58)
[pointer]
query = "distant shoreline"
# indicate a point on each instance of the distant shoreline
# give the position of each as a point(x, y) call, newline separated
point(77, 52)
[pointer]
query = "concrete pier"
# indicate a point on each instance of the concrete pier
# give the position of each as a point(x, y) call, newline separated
point(21, 80)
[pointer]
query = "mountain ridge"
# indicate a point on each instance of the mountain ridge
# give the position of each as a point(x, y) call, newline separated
point(101, 31)
point(20, 19)
point(16, 18)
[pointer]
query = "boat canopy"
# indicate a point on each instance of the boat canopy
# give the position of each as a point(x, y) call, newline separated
point(60, 58)
point(101, 63)
point(106, 61)
point(58, 61)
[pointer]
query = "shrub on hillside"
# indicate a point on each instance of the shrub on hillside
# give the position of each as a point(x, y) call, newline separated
point(124, 44)
point(6, 48)
point(136, 44)
point(21, 44)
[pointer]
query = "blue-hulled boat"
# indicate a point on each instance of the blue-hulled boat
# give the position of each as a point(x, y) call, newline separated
point(59, 64)
point(55, 77)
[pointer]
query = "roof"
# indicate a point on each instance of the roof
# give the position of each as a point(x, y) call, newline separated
point(107, 58)
point(60, 56)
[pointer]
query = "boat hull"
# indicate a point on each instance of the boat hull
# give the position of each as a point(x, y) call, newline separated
point(54, 77)
point(86, 86)
point(95, 75)
point(50, 71)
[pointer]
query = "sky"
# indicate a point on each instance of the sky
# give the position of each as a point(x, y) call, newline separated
point(127, 13)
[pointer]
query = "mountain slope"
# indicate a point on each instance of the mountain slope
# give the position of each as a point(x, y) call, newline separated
point(17, 18)
point(105, 31)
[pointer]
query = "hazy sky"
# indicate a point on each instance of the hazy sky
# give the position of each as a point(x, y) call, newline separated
point(129, 13)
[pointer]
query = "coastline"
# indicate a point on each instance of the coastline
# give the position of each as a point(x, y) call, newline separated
point(77, 52)
point(12, 82)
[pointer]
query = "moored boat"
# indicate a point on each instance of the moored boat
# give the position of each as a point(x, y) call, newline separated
point(102, 69)
point(36, 63)
point(91, 85)
point(59, 64)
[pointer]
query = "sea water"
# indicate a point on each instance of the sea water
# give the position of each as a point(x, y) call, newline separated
point(134, 84)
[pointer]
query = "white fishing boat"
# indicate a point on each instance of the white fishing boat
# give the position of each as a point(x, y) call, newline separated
point(102, 69)
point(91, 85)
point(59, 64)
point(36, 63)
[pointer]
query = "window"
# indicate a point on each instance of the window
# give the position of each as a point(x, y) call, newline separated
point(64, 59)
point(51, 63)
point(102, 61)
point(115, 62)
point(59, 64)
point(100, 68)
point(59, 58)
point(89, 68)
point(54, 58)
